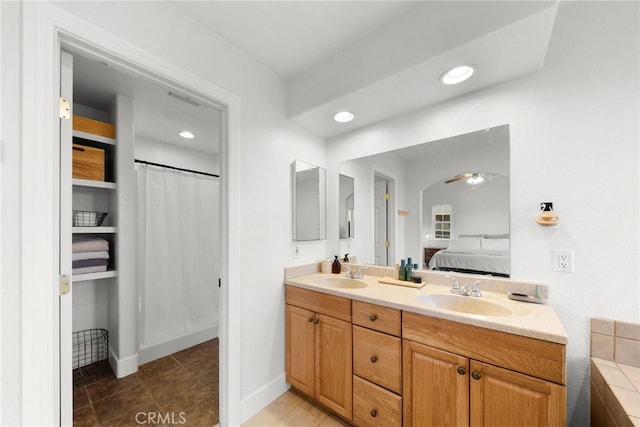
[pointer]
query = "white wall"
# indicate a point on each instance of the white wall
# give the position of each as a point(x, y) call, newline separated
point(270, 142)
point(574, 141)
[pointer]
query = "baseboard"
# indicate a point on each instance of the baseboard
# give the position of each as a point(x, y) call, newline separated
point(147, 354)
point(262, 397)
point(123, 367)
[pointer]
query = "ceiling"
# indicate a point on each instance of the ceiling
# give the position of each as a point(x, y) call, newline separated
point(378, 59)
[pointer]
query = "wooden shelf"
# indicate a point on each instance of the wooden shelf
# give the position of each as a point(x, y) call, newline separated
point(94, 138)
point(93, 230)
point(96, 185)
point(94, 276)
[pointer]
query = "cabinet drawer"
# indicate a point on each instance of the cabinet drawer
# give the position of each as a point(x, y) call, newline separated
point(330, 305)
point(375, 406)
point(88, 162)
point(378, 358)
point(372, 316)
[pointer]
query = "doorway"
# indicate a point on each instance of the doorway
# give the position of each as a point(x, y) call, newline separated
point(104, 287)
point(384, 236)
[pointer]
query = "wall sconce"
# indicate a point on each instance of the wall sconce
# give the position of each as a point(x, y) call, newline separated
point(547, 217)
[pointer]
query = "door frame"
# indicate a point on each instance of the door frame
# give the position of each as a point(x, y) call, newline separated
point(390, 214)
point(46, 29)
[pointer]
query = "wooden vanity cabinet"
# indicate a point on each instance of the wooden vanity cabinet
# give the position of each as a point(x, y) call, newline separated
point(450, 376)
point(319, 348)
point(379, 366)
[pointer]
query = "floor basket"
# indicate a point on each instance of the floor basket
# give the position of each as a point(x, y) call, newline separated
point(90, 346)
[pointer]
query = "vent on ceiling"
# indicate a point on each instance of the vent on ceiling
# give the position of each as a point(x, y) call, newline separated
point(184, 98)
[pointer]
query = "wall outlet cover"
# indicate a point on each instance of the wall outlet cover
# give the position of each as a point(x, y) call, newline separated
point(563, 260)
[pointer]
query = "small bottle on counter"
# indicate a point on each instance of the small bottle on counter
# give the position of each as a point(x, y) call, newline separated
point(409, 272)
point(335, 266)
point(403, 271)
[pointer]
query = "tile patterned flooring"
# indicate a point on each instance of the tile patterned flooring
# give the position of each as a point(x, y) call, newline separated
point(178, 390)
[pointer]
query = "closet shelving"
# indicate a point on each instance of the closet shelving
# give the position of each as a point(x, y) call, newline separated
point(97, 195)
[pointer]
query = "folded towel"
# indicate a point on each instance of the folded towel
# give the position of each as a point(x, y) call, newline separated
point(85, 270)
point(90, 262)
point(90, 255)
point(89, 245)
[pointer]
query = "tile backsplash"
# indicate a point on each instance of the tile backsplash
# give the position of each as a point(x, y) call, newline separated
point(615, 341)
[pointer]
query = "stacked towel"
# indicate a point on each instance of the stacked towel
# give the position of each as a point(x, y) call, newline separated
point(90, 255)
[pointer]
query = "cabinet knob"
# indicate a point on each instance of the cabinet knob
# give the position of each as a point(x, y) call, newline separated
point(461, 370)
point(374, 413)
point(373, 317)
point(315, 322)
point(310, 319)
point(373, 359)
point(476, 375)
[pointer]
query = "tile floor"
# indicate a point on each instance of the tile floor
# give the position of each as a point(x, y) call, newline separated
point(293, 410)
point(178, 390)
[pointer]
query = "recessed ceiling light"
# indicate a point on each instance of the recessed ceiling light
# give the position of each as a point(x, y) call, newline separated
point(457, 74)
point(186, 134)
point(343, 116)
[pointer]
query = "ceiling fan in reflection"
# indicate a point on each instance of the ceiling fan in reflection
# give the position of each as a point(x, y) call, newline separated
point(472, 178)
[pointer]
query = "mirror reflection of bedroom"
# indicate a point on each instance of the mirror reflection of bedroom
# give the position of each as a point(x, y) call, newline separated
point(452, 202)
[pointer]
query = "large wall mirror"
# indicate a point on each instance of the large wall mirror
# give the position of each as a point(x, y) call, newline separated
point(346, 205)
point(450, 203)
point(309, 202)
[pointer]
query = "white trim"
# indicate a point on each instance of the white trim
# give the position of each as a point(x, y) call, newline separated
point(45, 29)
point(125, 366)
point(258, 400)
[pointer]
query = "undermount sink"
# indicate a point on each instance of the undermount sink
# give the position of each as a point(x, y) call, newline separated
point(463, 304)
point(340, 282)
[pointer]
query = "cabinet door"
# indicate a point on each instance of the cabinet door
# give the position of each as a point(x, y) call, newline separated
point(333, 365)
point(500, 397)
point(435, 387)
point(300, 349)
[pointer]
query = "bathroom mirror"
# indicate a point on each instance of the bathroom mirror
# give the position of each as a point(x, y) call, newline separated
point(345, 207)
point(309, 201)
point(430, 215)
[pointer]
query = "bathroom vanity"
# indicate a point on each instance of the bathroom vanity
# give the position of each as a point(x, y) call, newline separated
point(377, 355)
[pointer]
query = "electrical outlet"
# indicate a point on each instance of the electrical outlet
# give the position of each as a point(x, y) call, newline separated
point(563, 261)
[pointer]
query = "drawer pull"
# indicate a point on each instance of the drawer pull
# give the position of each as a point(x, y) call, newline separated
point(461, 370)
point(374, 413)
point(315, 322)
point(476, 375)
point(373, 359)
point(373, 317)
point(78, 149)
point(310, 319)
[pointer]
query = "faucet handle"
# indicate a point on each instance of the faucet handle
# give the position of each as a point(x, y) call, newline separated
point(348, 274)
point(358, 274)
point(475, 292)
point(455, 288)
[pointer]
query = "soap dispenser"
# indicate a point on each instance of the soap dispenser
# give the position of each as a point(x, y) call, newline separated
point(335, 266)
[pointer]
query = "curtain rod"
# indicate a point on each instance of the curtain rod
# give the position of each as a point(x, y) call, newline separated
point(175, 168)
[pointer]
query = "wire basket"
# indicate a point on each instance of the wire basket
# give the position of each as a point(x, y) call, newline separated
point(90, 346)
point(87, 218)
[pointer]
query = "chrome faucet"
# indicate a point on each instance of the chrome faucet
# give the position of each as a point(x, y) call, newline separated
point(464, 290)
point(354, 275)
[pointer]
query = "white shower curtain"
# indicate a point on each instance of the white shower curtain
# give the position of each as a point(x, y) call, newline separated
point(178, 254)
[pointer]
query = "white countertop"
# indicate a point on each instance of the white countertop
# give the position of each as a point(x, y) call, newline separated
point(531, 320)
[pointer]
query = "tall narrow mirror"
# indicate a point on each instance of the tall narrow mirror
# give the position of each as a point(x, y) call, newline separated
point(309, 202)
point(345, 207)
